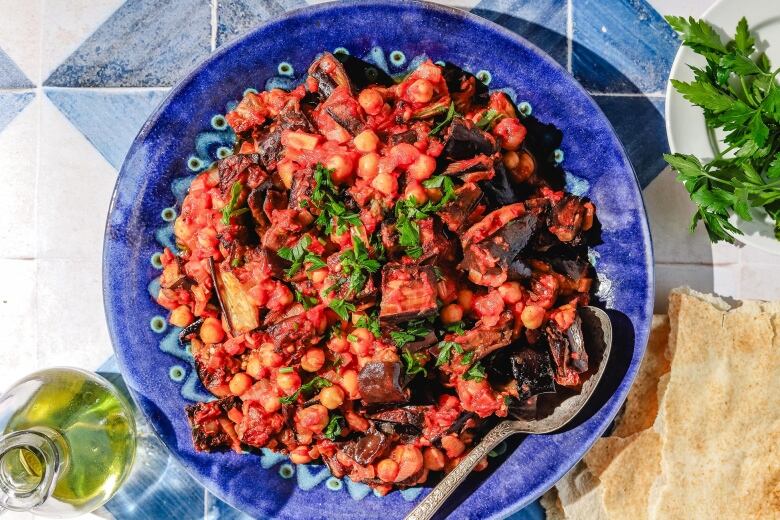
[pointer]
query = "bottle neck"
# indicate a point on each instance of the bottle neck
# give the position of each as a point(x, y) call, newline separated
point(30, 462)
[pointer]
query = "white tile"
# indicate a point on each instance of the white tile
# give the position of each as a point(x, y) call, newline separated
point(669, 210)
point(18, 348)
point(74, 190)
point(72, 328)
point(760, 281)
point(20, 35)
point(67, 24)
point(682, 8)
point(721, 280)
point(753, 255)
point(18, 170)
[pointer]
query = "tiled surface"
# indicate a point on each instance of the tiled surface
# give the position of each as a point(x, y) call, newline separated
point(79, 77)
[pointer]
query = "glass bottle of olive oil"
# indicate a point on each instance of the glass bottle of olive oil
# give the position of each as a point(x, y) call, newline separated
point(67, 442)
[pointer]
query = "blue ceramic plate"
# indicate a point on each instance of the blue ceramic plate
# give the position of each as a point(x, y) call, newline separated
point(188, 132)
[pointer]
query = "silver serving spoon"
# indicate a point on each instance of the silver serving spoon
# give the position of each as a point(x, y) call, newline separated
point(597, 328)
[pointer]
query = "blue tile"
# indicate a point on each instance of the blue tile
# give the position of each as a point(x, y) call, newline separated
point(621, 46)
point(10, 75)
point(145, 43)
point(11, 103)
point(639, 123)
point(542, 22)
point(109, 120)
point(534, 511)
point(216, 509)
point(237, 16)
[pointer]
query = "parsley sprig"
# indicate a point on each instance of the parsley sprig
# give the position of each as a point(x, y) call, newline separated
point(230, 210)
point(298, 255)
point(413, 331)
point(445, 352)
point(488, 118)
point(358, 264)
point(341, 307)
point(370, 322)
point(740, 95)
point(451, 113)
point(408, 212)
point(414, 363)
point(318, 383)
point(326, 197)
point(475, 373)
point(333, 429)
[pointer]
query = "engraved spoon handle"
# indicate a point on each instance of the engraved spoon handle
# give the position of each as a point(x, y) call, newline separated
point(435, 499)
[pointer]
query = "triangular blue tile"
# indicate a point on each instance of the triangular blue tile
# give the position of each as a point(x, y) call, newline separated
point(109, 120)
point(10, 74)
point(11, 103)
point(237, 16)
point(145, 43)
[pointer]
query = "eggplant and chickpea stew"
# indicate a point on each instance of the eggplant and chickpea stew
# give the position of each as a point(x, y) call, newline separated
point(378, 270)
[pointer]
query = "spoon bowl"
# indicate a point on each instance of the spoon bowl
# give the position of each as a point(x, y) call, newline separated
point(597, 328)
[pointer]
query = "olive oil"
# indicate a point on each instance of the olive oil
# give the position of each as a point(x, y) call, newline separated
point(93, 430)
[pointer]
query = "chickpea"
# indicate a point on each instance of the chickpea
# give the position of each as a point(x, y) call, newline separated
point(385, 183)
point(240, 383)
point(416, 190)
point(338, 344)
point(211, 331)
point(271, 403)
point(269, 358)
point(511, 133)
point(511, 160)
point(451, 313)
point(314, 417)
point(409, 459)
point(434, 194)
point(366, 141)
point(532, 317)
point(313, 359)
point(349, 382)
point(422, 168)
point(368, 166)
point(371, 101)
point(404, 154)
point(421, 91)
point(289, 382)
point(341, 166)
point(319, 275)
point(254, 368)
point(525, 167)
point(510, 292)
point(466, 299)
point(332, 397)
point(387, 470)
point(434, 459)
point(453, 446)
point(181, 316)
point(300, 455)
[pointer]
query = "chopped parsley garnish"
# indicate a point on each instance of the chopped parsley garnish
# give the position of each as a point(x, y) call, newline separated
point(414, 363)
point(414, 330)
point(286, 370)
point(341, 307)
point(407, 212)
point(317, 383)
point(451, 113)
point(445, 352)
point(370, 322)
point(236, 262)
point(487, 119)
point(467, 358)
point(325, 197)
point(298, 255)
point(357, 263)
point(475, 373)
point(307, 301)
point(352, 338)
point(457, 328)
point(230, 210)
point(333, 429)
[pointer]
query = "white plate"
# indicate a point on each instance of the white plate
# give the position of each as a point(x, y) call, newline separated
point(685, 126)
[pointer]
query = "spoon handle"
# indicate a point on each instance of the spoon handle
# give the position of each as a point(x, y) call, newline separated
point(436, 498)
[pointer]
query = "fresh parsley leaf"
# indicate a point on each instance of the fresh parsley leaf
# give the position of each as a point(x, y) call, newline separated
point(413, 331)
point(475, 373)
point(286, 370)
point(333, 429)
point(295, 254)
point(704, 95)
point(370, 322)
point(697, 34)
point(325, 196)
point(743, 40)
point(307, 301)
point(456, 328)
point(467, 358)
point(414, 363)
point(445, 352)
point(230, 210)
point(451, 113)
point(358, 264)
point(315, 384)
point(488, 118)
point(341, 307)
point(407, 212)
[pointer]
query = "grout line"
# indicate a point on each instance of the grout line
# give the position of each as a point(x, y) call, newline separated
point(629, 94)
point(110, 89)
point(213, 25)
point(11, 90)
point(36, 186)
point(569, 34)
point(699, 264)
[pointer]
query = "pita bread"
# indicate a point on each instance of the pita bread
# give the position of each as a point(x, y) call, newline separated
point(720, 415)
point(552, 505)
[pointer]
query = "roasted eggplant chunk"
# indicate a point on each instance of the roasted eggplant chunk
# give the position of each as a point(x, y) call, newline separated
point(241, 314)
point(568, 352)
point(465, 141)
point(211, 428)
point(455, 213)
point(533, 372)
point(484, 339)
point(408, 292)
point(329, 73)
point(380, 382)
point(368, 447)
